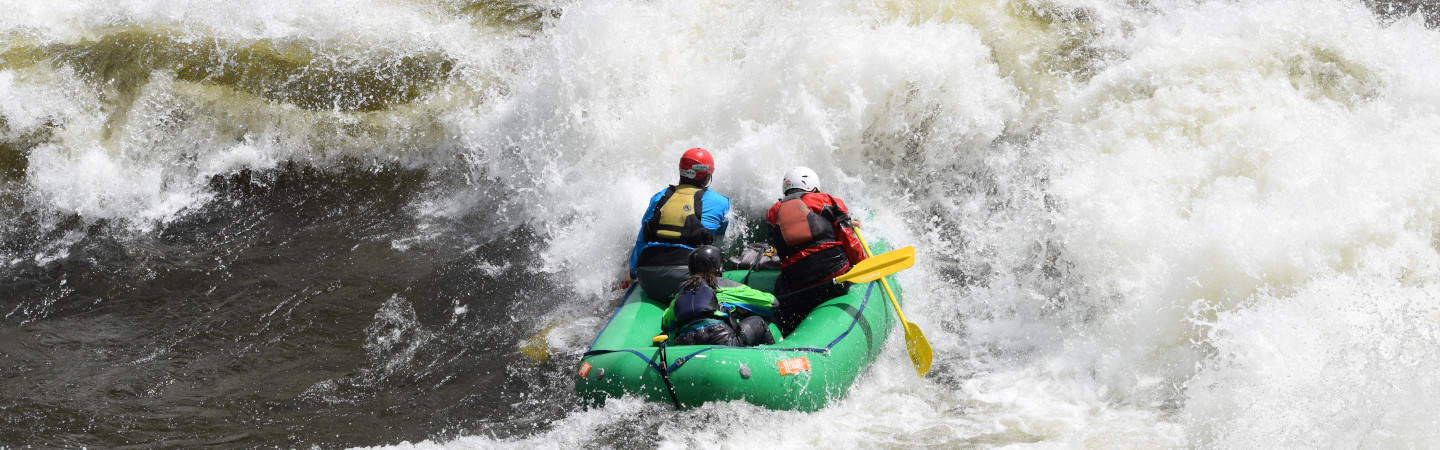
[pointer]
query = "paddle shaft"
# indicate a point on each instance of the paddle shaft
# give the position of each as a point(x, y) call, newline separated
point(664, 370)
point(885, 284)
point(751, 267)
point(915, 342)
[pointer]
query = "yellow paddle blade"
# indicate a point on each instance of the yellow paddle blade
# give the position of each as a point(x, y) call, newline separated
point(537, 347)
point(877, 266)
point(920, 353)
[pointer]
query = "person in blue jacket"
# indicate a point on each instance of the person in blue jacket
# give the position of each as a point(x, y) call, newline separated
point(679, 218)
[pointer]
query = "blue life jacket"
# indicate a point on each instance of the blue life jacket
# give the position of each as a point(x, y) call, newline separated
point(697, 303)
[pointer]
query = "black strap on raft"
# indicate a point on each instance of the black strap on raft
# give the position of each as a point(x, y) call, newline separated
point(664, 370)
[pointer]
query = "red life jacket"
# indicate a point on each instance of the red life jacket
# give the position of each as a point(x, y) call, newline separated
point(800, 227)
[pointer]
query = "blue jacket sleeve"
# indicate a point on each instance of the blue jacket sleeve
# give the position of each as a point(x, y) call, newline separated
point(640, 236)
point(717, 207)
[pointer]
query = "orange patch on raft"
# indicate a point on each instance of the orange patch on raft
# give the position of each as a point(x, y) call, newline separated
point(584, 369)
point(794, 365)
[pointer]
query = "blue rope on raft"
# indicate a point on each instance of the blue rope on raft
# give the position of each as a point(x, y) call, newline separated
point(860, 312)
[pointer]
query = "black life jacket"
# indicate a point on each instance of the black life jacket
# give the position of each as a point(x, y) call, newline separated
point(697, 303)
point(676, 218)
point(799, 228)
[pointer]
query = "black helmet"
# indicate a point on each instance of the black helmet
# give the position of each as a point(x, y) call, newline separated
point(705, 259)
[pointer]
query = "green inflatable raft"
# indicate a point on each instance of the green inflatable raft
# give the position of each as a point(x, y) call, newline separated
point(815, 364)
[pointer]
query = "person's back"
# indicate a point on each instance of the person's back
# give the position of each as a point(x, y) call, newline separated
point(712, 310)
point(678, 219)
point(812, 233)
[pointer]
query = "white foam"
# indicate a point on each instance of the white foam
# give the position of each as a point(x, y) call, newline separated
point(177, 133)
point(1242, 154)
point(600, 120)
point(1337, 363)
point(1224, 237)
point(1134, 259)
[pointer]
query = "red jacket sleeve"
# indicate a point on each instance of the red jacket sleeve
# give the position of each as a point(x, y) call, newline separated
point(853, 249)
point(846, 236)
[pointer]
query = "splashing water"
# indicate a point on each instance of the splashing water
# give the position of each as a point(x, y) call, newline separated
point(345, 222)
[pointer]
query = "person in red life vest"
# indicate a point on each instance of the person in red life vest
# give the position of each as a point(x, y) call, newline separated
point(812, 233)
point(679, 219)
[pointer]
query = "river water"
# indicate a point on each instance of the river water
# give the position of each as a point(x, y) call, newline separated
point(334, 223)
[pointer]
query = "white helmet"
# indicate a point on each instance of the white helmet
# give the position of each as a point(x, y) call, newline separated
point(801, 178)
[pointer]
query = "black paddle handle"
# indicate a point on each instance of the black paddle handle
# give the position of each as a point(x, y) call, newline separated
point(664, 370)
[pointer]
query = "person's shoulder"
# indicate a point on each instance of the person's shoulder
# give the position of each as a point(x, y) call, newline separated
point(771, 210)
point(817, 199)
point(775, 206)
point(712, 196)
point(710, 192)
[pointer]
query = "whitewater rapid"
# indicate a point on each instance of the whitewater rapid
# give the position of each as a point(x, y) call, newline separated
point(1140, 224)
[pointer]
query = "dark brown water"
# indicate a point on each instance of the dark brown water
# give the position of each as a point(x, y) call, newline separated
point(282, 314)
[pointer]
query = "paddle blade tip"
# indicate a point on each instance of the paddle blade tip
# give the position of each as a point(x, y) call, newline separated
point(920, 353)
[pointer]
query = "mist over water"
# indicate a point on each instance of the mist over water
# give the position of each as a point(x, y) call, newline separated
point(355, 223)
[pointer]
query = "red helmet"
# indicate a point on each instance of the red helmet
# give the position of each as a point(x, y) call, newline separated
point(697, 164)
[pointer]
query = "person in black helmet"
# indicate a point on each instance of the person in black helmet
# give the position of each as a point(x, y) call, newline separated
point(712, 310)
